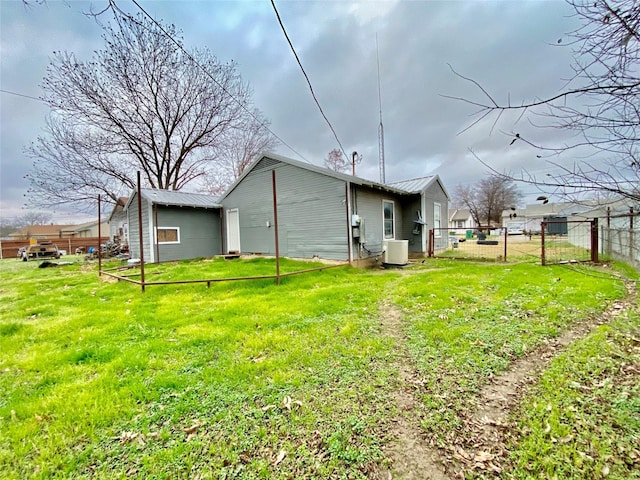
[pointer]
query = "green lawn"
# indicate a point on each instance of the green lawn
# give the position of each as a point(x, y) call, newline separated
point(253, 380)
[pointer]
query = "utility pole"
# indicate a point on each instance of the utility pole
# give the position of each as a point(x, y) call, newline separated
point(355, 158)
point(380, 127)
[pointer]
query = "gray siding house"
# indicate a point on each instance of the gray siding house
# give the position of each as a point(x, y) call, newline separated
point(175, 225)
point(118, 228)
point(327, 214)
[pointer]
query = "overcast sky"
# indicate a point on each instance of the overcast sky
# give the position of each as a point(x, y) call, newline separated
point(510, 47)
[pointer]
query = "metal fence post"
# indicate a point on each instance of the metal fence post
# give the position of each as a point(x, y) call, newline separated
point(594, 240)
point(505, 244)
point(140, 232)
point(432, 242)
point(543, 226)
point(99, 239)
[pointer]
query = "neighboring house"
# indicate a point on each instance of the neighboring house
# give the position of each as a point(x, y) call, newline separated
point(51, 232)
point(118, 227)
point(617, 231)
point(175, 225)
point(86, 230)
point(460, 220)
point(327, 214)
point(531, 217)
point(42, 232)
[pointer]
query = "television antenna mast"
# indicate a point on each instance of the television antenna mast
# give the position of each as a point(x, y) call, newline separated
point(380, 127)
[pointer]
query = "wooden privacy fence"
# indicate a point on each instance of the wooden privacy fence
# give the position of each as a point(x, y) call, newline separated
point(9, 248)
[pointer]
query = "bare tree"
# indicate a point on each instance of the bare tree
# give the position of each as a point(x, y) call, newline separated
point(336, 161)
point(143, 103)
point(29, 219)
point(7, 226)
point(599, 107)
point(239, 148)
point(487, 198)
point(33, 217)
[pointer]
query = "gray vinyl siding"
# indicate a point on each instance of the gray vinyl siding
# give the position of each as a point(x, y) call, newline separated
point(312, 213)
point(199, 233)
point(410, 208)
point(368, 204)
point(118, 221)
point(435, 194)
point(134, 241)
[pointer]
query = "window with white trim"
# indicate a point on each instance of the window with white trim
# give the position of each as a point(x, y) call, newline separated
point(167, 235)
point(436, 220)
point(388, 209)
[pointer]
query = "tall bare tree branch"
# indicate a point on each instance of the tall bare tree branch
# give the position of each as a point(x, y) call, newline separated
point(141, 103)
point(600, 107)
point(487, 198)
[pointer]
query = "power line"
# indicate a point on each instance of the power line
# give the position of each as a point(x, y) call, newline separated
point(307, 78)
point(206, 72)
point(23, 95)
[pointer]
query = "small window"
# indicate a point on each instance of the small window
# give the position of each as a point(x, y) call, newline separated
point(167, 235)
point(389, 214)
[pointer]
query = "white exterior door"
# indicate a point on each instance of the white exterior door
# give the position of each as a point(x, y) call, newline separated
point(233, 231)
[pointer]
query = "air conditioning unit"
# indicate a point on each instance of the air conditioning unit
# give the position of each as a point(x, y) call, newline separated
point(396, 252)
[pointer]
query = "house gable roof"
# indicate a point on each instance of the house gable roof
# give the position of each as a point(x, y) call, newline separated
point(40, 230)
point(118, 207)
point(172, 198)
point(83, 227)
point(414, 186)
point(541, 210)
point(459, 214)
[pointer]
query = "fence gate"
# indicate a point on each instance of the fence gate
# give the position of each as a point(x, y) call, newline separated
point(569, 241)
point(486, 245)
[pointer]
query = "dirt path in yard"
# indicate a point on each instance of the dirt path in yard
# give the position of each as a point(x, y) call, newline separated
point(481, 444)
point(411, 454)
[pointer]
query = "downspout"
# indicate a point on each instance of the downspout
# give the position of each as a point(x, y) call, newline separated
point(222, 230)
point(154, 207)
point(150, 226)
point(275, 224)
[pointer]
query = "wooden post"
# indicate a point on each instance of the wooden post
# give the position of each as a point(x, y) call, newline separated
point(275, 224)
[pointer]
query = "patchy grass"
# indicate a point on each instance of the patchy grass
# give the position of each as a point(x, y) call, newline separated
point(100, 380)
point(479, 318)
point(248, 379)
point(582, 420)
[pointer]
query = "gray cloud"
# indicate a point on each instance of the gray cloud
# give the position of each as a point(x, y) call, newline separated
point(507, 46)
